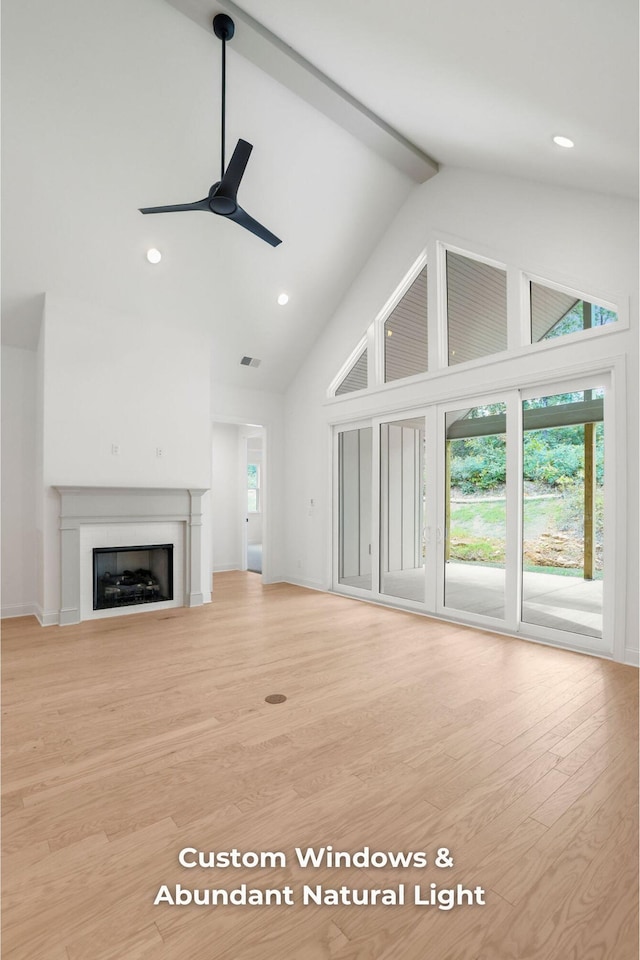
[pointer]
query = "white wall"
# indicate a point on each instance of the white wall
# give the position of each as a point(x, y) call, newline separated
point(18, 481)
point(117, 380)
point(226, 532)
point(587, 241)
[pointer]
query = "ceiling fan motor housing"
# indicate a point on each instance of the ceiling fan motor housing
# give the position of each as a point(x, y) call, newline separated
point(219, 203)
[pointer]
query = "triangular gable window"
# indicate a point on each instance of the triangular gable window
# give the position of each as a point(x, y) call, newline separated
point(555, 313)
point(356, 378)
point(405, 333)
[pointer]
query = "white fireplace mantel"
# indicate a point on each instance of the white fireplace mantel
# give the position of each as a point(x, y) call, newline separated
point(81, 506)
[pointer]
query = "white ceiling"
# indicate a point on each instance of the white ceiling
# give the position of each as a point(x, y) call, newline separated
point(485, 85)
point(110, 105)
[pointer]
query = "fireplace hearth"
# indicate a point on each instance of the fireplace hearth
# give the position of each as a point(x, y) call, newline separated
point(125, 576)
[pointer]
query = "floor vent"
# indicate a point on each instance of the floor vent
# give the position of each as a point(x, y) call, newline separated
point(249, 362)
point(275, 698)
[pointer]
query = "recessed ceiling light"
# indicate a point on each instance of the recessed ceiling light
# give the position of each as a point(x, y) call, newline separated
point(283, 298)
point(153, 255)
point(563, 142)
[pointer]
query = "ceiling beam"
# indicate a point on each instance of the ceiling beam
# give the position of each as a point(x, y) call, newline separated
point(280, 61)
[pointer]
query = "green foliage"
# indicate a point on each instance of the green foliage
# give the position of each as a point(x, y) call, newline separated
point(478, 463)
point(574, 320)
point(553, 456)
point(546, 460)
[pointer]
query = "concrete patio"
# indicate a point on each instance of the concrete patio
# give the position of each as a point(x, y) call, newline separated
point(550, 600)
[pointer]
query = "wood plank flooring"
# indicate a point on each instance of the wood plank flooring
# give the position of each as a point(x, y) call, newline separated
point(125, 740)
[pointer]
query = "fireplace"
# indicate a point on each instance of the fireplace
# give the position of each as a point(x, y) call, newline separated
point(123, 576)
point(101, 519)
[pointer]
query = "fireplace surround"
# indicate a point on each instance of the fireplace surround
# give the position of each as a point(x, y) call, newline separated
point(105, 517)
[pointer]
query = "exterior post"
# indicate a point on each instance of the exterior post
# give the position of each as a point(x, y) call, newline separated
point(589, 498)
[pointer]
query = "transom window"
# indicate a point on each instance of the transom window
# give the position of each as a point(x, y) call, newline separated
point(555, 313)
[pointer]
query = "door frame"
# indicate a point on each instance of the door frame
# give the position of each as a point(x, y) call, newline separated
point(606, 645)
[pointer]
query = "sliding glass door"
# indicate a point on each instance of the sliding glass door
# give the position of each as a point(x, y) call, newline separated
point(488, 510)
point(563, 511)
point(475, 509)
point(354, 507)
point(402, 509)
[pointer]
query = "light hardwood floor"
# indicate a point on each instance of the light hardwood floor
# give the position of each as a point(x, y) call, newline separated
point(127, 739)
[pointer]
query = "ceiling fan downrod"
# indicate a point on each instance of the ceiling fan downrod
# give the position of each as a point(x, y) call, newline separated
point(224, 28)
point(222, 198)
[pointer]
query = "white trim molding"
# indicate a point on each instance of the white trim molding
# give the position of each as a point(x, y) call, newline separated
point(82, 506)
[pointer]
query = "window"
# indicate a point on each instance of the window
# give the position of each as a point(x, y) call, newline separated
point(555, 313)
point(471, 292)
point(405, 333)
point(563, 511)
point(403, 544)
point(475, 506)
point(356, 378)
point(476, 308)
point(253, 485)
point(354, 507)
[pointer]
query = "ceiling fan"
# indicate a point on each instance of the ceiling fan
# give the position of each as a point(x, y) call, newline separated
point(223, 195)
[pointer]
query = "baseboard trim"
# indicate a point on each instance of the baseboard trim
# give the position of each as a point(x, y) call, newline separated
point(225, 567)
point(49, 618)
point(309, 584)
point(632, 658)
point(18, 610)
point(69, 616)
point(195, 599)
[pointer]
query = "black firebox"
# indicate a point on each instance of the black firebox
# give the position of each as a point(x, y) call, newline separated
point(123, 576)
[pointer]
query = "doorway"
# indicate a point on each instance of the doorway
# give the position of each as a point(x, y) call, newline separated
point(254, 496)
point(238, 501)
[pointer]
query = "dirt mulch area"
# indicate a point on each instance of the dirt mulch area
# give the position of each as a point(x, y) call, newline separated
point(557, 550)
point(560, 550)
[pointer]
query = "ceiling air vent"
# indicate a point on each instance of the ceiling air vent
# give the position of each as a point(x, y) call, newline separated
point(249, 362)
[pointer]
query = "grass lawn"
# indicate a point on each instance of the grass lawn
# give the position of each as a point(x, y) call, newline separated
point(488, 517)
point(552, 532)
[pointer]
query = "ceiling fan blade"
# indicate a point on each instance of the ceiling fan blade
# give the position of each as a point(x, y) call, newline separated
point(235, 169)
point(242, 217)
point(198, 205)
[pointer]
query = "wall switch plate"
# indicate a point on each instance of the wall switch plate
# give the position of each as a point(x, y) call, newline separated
point(159, 451)
point(115, 449)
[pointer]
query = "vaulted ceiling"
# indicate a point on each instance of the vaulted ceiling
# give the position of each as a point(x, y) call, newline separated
point(113, 105)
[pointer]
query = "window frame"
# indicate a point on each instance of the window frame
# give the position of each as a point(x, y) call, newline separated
point(257, 488)
point(618, 306)
point(443, 248)
point(519, 340)
point(345, 370)
point(381, 319)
